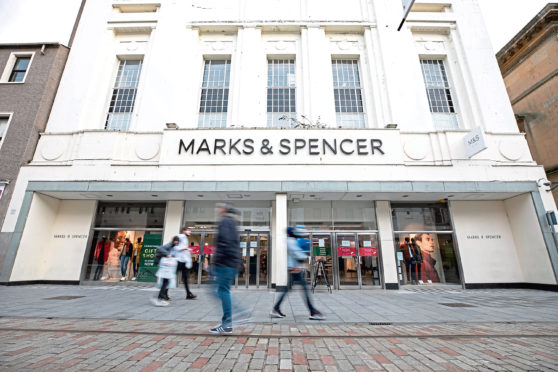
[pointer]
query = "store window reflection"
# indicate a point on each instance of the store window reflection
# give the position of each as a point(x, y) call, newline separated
point(424, 244)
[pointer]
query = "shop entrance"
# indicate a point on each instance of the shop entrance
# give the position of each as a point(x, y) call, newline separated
point(255, 251)
point(344, 260)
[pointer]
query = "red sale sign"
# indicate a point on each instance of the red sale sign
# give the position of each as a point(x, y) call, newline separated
point(369, 251)
point(346, 251)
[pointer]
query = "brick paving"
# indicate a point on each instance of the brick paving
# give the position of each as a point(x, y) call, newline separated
point(44, 344)
point(116, 329)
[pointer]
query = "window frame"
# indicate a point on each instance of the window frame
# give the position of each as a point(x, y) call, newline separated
point(357, 62)
point(292, 115)
point(11, 63)
point(113, 88)
point(455, 115)
point(8, 116)
point(207, 59)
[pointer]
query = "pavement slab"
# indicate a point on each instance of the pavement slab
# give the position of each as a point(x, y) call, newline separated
point(112, 328)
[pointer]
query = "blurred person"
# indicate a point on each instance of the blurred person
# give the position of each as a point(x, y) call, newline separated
point(227, 261)
point(184, 257)
point(166, 273)
point(138, 246)
point(296, 258)
point(409, 258)
point(101, 256)
point(418, 259)
point(125, 255)
point(428, 268)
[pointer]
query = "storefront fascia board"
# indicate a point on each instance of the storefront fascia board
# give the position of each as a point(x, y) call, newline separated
point(285, 186)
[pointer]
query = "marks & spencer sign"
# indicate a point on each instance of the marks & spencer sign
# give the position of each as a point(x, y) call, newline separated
point(282, 147)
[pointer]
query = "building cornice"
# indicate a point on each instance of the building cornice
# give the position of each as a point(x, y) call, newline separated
point(539, 29)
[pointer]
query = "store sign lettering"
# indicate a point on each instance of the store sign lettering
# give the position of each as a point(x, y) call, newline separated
point(284, 146)
point(482, 237)
point(70, 236)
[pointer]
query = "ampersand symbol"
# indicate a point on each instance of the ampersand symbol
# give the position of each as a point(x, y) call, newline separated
point(266, 149)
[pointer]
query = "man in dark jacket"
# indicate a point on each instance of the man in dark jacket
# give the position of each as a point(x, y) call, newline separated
point(227, 262)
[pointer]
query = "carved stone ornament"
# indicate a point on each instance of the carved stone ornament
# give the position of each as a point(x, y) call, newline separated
point(147, 149)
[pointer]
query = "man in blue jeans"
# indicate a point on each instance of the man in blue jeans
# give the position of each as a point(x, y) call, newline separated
point(227, 261)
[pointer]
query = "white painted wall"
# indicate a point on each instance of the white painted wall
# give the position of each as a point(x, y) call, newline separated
point(54, 239)
point(486, 260)
point(385, 229)
point(280, 240)
point(531, 248)
point(63, 257)
point(173, 219)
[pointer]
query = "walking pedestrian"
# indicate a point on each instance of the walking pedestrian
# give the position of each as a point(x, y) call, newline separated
point(184, 257)
point(227, 262)
point(166, 273)
point(295, 262)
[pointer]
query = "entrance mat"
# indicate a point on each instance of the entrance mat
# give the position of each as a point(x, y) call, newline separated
point(63, 298)
point(456, 304)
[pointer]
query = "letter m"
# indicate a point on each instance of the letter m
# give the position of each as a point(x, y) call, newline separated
point(182, 146)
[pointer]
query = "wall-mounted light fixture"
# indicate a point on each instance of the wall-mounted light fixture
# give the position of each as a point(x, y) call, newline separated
point(172, 126)
point(391, 126)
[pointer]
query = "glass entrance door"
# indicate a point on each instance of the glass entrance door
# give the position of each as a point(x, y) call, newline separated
point(254, 252)
point(321, 261)
point(347, 259)
point(369, 259)
point(205, 261)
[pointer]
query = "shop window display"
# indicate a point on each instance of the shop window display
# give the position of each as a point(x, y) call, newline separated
point(117, 248)
point(424, 244)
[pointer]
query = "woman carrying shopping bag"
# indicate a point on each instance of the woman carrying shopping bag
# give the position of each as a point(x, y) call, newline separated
point(166, 274)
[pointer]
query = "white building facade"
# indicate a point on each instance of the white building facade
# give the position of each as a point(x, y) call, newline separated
point(295, 112)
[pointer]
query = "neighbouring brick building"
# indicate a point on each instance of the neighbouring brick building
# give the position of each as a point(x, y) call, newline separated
point(28, 84)
point(529, 64)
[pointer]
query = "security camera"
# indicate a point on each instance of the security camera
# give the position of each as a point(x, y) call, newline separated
point(547, 183)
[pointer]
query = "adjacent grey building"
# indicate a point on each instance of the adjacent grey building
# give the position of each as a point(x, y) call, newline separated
point(30, 74)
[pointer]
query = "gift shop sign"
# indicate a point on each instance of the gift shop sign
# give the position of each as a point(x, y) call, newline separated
point(258, 146)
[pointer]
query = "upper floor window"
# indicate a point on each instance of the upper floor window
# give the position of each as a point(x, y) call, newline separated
point(16, 68)
point(281, 93)
point(123, 96)
point(3, 128)
point(442, 105)
point(214, 99)
point(348, 94)
point(20, 69)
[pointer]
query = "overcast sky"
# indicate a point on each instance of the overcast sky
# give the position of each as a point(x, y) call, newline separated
point(52, 20)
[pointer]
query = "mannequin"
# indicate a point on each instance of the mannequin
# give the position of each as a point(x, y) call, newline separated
point(101, 256)
point(136, 257)
point(125, 255)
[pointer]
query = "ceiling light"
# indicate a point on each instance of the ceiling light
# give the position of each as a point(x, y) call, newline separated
point(200, 195)
point(154, 195)
point(110, 196)
point(359, 196)
point(234, 196)
point(405, 196)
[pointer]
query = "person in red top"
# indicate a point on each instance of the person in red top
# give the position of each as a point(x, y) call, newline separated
point(101, 256)
point(428, 267)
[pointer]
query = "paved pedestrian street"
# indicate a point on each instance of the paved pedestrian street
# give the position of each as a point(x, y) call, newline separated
point(38, 338)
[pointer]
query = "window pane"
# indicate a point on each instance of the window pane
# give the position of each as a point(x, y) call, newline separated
point(215, 94)
point(348, 94)
point(281, 93)
point(123, 95)
point(3, 128)
point(439, 94)
point(421, 217)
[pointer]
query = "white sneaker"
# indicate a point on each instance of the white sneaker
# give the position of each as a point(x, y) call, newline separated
point(157, 302)
point(429, 281)
point(134, 278)
point(163, 303)
point(421, 282)
point(104, 278)
point(123, 278)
